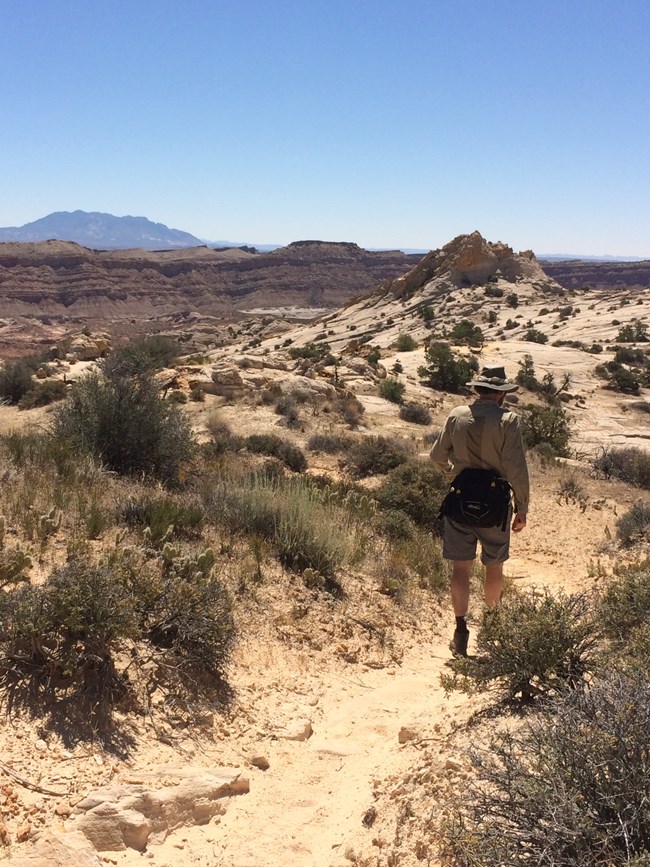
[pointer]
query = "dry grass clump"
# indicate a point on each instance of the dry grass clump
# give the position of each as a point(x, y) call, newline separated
point(631, 465)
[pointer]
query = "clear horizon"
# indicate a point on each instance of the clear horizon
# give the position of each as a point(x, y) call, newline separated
point(388, 125)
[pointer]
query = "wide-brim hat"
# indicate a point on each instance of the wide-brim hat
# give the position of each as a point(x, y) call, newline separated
point(493, 378)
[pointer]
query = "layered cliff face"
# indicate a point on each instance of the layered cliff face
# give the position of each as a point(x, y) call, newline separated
point(578, 274)
point(470, 260)
point(58, 278)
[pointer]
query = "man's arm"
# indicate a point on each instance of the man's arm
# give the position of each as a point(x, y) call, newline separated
point(514, 463)
point(442, 449)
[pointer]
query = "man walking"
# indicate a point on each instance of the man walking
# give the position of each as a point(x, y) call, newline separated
point(486, 436)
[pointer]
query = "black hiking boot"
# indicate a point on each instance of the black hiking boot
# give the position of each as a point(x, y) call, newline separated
point(458, 644)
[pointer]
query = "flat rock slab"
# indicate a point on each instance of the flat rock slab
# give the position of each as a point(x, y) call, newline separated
point(131, 815)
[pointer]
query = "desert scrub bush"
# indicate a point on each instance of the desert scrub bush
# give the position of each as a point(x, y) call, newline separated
point(274, 446)
point(351, 410)
point(330, 443)
point(222, 438)
point(546, 425)
point(394, 525)
point(15, 563)
point(634, 332)
point(160, 511)
point(391, 389)
point(416, 488)
point(414, 412)
point(287, 406)
point(61, 636)
point(405, 343)
point(570, 788)
point(123, 422)
point(145, 354)
point(376, 455)
point(311, 351)
point(512, 299)
point(442, 371)
point(186, 613)
point(634, 525)
point(618, 377)
point(531, 644)
point(466, 332)
point(43, 394)
point(306, 526)
point(16, 379)
point(623, 616)
point(629, 464)
point(534, 335)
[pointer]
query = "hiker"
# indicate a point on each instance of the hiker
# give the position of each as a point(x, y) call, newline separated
point(483, 440)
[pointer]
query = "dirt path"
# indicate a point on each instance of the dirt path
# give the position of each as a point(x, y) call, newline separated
point(307, 809)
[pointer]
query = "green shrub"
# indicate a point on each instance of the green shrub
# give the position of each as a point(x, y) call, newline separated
point(43, 394)
point(416, 413)
point(405, 343)
point(512, 300)
point(391, 389)
point(287, 406)
point(570, 788)
point(394, 525)
point(619, 378)
point(526, 374)
point(546, 425)
point(466, 332)
point(123, 422)
point(275, 446)
point(376, 455)
point(494, 291)
point(629, 464)
point(15, 380)
point(186, 613)
point(634, 525)
point(143, 355)
point(634, 332)
point(416, 488)
point(329, 443)
point(534, 335)
point(531, 644)
point(311, 351)
point(624, 610)
point(443, 372)
point(64, 633)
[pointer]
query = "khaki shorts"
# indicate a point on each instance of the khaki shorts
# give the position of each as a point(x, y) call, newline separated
point(460, 542)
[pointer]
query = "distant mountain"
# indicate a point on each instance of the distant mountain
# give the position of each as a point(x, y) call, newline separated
point(101, 231)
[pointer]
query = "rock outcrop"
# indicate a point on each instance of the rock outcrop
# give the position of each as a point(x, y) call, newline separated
point(130, 816)
point(469, 260)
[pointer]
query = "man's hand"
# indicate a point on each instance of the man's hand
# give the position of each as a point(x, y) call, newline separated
point(519, 522)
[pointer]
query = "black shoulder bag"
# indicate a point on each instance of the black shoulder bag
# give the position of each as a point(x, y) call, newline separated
point(478, 498)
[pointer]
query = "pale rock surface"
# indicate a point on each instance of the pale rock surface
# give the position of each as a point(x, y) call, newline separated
point(125, 816)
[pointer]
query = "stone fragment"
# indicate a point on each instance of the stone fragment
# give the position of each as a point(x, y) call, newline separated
point(260, 762)
point(406, 734)
point(298, 730)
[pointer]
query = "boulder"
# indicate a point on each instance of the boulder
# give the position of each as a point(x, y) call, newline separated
point(125, 816)
point(50, 849)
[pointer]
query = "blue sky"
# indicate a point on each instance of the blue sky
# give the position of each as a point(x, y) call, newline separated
point(389, 124)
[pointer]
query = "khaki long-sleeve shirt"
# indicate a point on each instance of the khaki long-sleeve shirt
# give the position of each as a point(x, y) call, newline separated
point(485, 435)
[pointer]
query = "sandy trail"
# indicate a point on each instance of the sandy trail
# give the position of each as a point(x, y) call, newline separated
point(307, 809)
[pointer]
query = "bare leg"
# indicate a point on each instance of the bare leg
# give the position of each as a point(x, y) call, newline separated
point(493, 584)
point(461, 571)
